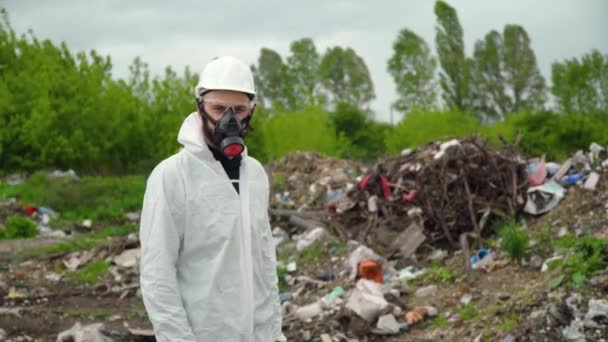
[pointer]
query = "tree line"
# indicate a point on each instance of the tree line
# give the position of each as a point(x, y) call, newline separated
point(60, 109)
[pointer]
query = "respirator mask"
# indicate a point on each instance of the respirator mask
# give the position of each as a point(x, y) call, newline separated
point(229, 130)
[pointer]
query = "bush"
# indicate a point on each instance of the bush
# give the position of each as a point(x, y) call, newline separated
point(359, 137)
point(557, 136)
point(308, 130)
point(419, 128)
point(514, 240)
point(18, 227)
point(585, 257)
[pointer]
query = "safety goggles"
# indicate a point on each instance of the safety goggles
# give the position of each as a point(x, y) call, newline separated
point(218, 107)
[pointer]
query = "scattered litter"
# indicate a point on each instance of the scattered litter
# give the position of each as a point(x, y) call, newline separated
point(326, 338)
point(63, 174)
point(482, 257)
point(309, 238)
point(133, 216)
point(308, 311)
point(573, 332)
point(387, 324)
point(76, 259)
point(438, 254)
point(367, 300)
point(336, 293)
point(10, 311)
point(409, 241)
point(52, 276)
point(142, 332)
point(279, 236)
point(418, 314)
point(87, 223)
point(360, 253)
point(410, 273)
point(466, 299)
point(572, 179)
point(443, 148)
point(549, 261)
point(372, 204)
point(562, 170)
point(13, 293)
point(426, 291)
point(539, 175)
point(292, 267)
point(128, 258)
point(544, 198)
point(597, 309)
point(78, 333)
point(591, 181)
point(371, 270)
point(285, 296)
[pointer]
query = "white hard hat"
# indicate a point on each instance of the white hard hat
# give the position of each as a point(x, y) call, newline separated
point(225, 73)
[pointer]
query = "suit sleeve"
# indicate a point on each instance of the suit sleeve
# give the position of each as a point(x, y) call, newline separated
point(161, 235)
point(277, 318)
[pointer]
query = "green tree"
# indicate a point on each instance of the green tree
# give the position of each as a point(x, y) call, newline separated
point(413, 69)
point(489, 81)
point(525, 82)
point(302, 76)
point(270, 75)
point(455, 74)
point(581, 86)
point(506, 77)
point(346, 78)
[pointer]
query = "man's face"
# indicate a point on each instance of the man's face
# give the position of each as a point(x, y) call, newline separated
point(216, 102)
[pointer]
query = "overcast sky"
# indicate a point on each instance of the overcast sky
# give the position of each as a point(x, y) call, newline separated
point(182, 32)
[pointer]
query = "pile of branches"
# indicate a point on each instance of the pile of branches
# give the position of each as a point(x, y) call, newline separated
point(449, 189)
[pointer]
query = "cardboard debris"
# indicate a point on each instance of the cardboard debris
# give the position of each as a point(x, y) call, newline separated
point(128, 258)
point(77, 259)
point(79, 333)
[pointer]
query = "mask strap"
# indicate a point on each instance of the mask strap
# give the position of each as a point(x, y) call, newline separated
point(206, 115)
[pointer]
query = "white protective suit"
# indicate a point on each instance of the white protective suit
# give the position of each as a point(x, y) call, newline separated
point(208, 263)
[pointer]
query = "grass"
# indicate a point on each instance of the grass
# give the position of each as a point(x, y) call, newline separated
point(279, 182)
point(91, 273)
point(435, 273)
point(337, 246)
point(584, 257)
point(545, 240)
point(508, 325)
point(514, 240)
point(83, 241)
point(96, 198)
point(18, 227)
point(311, 254)
point(281, 273)
point(440, 322)
point(469, 312)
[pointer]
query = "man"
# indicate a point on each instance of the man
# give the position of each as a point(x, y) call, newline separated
point(208, 264)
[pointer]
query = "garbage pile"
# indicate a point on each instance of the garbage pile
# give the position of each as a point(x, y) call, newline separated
point(306, 180)
point(439, 191)
point(549, 180)
point(355, 293)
